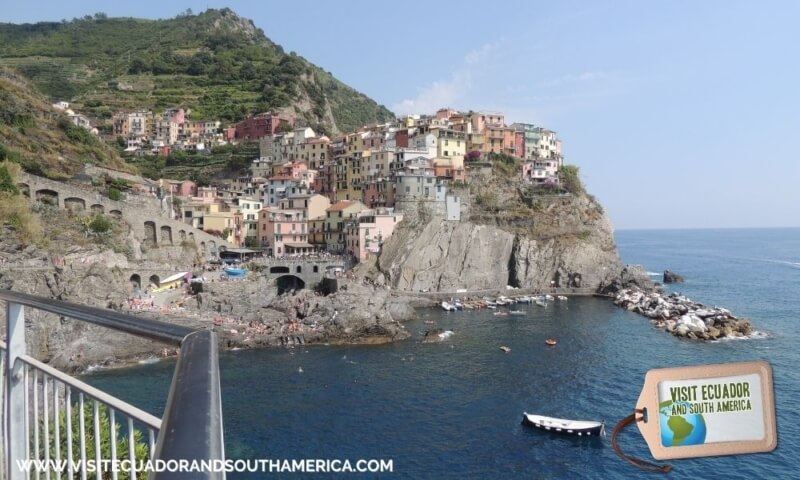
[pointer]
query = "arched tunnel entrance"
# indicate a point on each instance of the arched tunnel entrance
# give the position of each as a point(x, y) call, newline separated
point(288, 283)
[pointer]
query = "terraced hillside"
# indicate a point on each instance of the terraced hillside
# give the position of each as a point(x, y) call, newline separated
point(43, 140)
point(216, 63)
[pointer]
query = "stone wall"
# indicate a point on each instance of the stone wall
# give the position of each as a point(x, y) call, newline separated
point(148, 222)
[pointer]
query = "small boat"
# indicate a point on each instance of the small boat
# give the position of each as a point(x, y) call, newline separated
point(551, 342)
point(562, 297)
point(458, 305)
point(524, 299)
point(448, 307)
point(549, 298)
point(540, 303)
point(500, 314)
point(516, 312)
point(491, 305)
point(580, 428)
point(505, 349)
point(234, 272)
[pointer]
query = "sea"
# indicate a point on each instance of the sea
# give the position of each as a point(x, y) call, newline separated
point(454, 409)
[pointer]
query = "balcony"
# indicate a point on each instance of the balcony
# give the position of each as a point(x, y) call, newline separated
point(51, 416)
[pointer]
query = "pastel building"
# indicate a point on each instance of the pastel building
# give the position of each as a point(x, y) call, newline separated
point(283, 232)
point(366, 232)
point(334, 227)
point(263, 124)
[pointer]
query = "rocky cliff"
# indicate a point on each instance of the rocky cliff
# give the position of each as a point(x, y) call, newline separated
point(567, 240)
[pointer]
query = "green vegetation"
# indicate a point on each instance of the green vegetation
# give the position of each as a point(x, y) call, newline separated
point(505, 165)
point(200, 167)
point(43, 142)
point(99, 225)
point(6, 182)
point(216, 63)
point(570, 179)
point(114, 194)
point(140, 449)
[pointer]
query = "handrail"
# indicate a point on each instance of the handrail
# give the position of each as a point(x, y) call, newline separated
point(191, 428)
point(192, 424)
point(141, 327)
point(92, 392)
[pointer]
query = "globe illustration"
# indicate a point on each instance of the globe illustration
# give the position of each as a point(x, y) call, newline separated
point(680, 430)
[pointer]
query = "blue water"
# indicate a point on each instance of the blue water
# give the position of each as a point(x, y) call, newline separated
point(453, 410)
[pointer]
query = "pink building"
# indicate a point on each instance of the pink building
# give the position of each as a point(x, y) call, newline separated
point(519, 144)
point(207, 194)
point(283, 232)
point(366, 233)
point(182, 188)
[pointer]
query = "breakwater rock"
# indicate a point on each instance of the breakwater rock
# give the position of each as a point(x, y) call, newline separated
point(672, 277)
point(681, 316)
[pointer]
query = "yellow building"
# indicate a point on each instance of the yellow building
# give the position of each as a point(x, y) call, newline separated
point(220, 221)
point(334, 226)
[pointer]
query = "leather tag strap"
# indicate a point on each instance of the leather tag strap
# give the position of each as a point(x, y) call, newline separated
point(644, 465)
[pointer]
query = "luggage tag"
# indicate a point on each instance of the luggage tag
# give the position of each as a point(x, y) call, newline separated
point(704, 410)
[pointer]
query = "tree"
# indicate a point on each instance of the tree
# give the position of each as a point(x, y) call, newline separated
point(99, 224)
point(473, 156)
point(570, 178)
point(250, 242)
point(6, 182)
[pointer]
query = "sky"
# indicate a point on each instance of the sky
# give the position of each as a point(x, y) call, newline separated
point(679, 114)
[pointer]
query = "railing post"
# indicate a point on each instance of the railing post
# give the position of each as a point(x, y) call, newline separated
point(16, 437)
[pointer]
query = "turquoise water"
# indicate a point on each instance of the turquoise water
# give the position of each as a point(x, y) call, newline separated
point(453, 410)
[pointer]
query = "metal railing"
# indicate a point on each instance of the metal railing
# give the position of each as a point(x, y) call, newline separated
point(64, 428)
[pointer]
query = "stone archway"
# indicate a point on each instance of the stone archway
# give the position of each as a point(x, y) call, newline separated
point(287, 283)
point(150, 234)
point(116, 213)
point(191, 237)
point(46, 196)
point(155, 281)
point(166, 235)
point(75, 204)
point(97, 209)
point(298, 269)
point(182, 235)
point(212, 245)
point(136, 280)
point(24, 189)
point(203, 247)
point(278, 269)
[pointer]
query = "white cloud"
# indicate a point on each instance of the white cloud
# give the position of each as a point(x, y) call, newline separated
point(446, 93)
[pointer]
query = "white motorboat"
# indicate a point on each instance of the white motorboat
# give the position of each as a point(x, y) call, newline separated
point(580, 428)
point(562, 297)
point(446, 306)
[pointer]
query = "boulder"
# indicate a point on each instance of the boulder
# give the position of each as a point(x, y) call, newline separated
point(672, 277)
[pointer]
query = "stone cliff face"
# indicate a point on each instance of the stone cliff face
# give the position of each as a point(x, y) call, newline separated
point(569, 242)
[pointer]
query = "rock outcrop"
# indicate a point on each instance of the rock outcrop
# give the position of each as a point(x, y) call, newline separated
point(252, 314)
point(681, 316)
point(672, 277)
point(575, 248)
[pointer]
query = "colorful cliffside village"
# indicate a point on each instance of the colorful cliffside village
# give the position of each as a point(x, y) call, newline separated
point(308, 193)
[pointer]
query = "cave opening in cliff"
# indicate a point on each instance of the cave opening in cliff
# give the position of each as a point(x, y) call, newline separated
point(287, 283)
